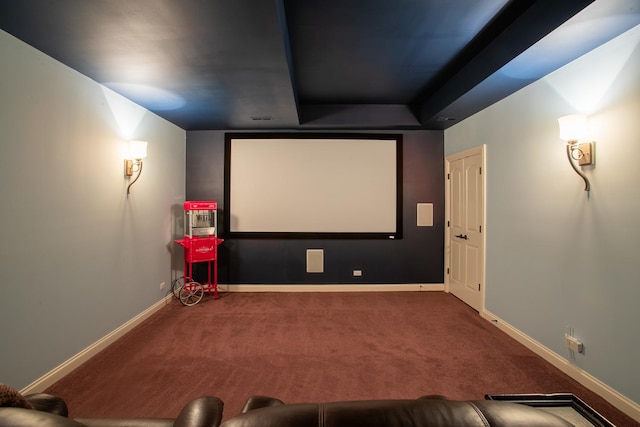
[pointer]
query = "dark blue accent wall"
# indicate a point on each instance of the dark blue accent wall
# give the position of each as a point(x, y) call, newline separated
point(416, 258)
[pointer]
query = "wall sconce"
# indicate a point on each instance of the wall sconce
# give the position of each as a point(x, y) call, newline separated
point(572, 128)
point(133, 164)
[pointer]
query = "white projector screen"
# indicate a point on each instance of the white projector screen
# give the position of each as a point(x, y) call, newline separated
point(307, 185)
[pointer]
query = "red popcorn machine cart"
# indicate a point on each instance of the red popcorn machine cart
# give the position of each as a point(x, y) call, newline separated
point(200, 244)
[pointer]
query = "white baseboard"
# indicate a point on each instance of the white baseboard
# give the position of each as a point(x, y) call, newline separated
point(59, 372)
point(405, 287)
point(618, 400)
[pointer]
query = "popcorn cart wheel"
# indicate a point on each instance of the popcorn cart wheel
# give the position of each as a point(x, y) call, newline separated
point(191, 293)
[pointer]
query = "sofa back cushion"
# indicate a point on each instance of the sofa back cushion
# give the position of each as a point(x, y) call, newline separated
point(398, 413)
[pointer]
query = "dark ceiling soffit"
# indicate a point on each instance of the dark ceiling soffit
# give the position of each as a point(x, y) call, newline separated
point(284, 28)
point(517, 27)
point(362, 116)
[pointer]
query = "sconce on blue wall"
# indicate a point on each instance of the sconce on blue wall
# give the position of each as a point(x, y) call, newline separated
point(572, 129)
point(133, 164)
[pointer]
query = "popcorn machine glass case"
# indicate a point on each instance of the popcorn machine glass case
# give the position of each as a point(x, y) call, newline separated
point(200, 244)
point(200, 219)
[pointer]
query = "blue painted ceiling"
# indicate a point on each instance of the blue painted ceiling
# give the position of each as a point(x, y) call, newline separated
point(316, 64)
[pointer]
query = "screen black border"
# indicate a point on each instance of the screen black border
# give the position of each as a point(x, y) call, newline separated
point(303, 235)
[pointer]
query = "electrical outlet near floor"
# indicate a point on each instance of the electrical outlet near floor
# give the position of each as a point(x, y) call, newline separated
point(357, 273)
point(572, 343)
point(162, 285)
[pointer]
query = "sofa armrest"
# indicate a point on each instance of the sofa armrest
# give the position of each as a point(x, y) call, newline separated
point(48, 403)
point(203, 411)
point(256, 402)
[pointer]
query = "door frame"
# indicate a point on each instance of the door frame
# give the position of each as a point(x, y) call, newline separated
point(482, 150)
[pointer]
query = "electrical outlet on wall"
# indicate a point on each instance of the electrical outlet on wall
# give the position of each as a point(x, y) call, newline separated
point(357, 273)
point(162, 285)
point(573, 343)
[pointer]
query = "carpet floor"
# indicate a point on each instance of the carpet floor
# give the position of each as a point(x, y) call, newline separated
point(311, 347)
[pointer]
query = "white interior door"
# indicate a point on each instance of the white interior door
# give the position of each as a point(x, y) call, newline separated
point(465, 240)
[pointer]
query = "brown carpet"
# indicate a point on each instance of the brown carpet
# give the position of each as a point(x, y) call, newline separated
point(303, 347)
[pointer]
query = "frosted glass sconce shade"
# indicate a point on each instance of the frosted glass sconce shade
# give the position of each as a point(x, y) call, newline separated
point(572, 127)
point(137, 149)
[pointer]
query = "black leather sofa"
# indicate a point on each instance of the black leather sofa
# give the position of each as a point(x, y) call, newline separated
point(427, 411)
point(51, 411)
point(260, 411)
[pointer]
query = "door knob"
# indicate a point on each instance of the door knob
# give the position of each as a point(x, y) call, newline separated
point(462, 236)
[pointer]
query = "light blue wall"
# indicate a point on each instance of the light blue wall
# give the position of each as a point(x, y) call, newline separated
point(78, 259)
point(558, 256)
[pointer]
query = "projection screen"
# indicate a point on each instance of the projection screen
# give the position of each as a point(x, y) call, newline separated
point(313, 185)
